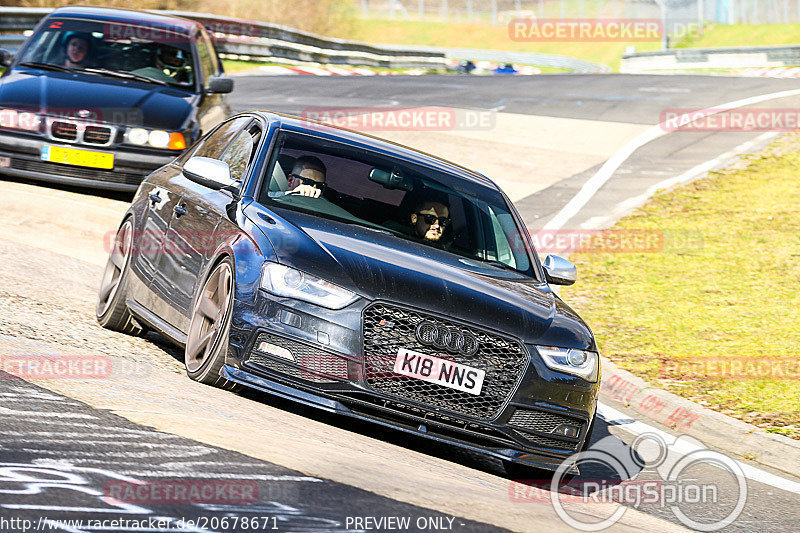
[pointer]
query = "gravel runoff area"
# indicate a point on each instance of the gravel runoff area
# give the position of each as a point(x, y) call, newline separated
point(50, 298)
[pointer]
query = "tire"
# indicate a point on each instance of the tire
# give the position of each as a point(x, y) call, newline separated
point(207, 340)
point(111, 311)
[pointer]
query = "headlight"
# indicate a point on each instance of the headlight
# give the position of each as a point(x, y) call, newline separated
point(159, 139)
point(155, 138)
point(20, 120)
point(281, 280)
point(581, 363)
point(137, 136)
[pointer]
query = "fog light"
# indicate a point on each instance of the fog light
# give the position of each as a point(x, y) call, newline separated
point(277, 351)
point(565, 430)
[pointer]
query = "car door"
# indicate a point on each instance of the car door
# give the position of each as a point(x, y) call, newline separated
point(161, 202)
point(190, 239)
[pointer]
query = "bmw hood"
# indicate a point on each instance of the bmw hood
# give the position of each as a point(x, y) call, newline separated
point(109, 100)
point(379, 266)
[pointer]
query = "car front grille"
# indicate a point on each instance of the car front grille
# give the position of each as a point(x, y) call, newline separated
point(67, 131)
point(57, 169)
point(311, 364)
point(97, 135)
point(388, 328)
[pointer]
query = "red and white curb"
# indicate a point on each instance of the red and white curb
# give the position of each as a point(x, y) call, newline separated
point(686, 417)
point(279, 70)
point(772, 72)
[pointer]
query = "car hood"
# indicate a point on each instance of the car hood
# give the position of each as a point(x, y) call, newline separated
point(110, 100)
point(379, 266)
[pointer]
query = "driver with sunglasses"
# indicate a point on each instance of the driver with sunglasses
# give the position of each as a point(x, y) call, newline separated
point(307, 177)
point(430, 219)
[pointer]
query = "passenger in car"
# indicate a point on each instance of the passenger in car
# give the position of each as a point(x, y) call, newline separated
point(430, 219)
point(76, 51)
point(307, 177)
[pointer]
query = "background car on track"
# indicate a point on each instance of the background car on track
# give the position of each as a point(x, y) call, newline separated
point(102, 97)
point(342, 300)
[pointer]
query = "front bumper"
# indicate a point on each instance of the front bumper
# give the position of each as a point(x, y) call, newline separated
point(329, 373)
point(130, 166)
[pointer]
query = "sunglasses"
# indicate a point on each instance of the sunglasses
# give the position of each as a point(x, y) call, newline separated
point(430, 219)
point(307, 181)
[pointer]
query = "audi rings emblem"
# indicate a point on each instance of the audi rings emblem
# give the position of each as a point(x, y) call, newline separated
point(446, 338)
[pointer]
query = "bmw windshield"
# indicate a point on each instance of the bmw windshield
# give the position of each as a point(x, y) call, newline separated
point(113, 49)
point(409, 200)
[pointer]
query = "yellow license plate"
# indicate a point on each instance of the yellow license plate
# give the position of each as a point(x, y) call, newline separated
point(75, 156)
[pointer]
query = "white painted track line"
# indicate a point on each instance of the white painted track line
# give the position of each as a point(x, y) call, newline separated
point(605, 173)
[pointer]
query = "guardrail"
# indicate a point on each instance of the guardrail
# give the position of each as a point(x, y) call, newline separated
point(249, 39)
point(711, 58)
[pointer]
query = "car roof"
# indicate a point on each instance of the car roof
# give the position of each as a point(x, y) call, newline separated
point(346, 136)
point(173, 23)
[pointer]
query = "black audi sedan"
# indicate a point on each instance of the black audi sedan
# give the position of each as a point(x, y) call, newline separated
point(361, 277)
point(102, 97)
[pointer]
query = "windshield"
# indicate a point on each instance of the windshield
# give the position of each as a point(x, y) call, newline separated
point(411, 201)
point(151, 54)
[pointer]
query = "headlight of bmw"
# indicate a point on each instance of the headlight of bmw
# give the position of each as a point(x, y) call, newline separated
point(581, 363)
point(281, 280)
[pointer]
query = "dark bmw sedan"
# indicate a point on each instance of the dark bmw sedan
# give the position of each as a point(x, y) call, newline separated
point(360, 277)
point(102, 97)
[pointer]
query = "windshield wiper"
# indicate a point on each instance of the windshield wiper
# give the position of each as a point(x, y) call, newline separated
point(125, 75)
point(46, 66)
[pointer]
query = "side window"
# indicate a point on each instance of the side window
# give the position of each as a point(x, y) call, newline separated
point(207, 55)
point(241, 151)
point(216, 143)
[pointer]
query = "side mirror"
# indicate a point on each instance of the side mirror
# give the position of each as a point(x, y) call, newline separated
point(559, 271)
point(211, 173)
point(220, 85)
point(5, 58)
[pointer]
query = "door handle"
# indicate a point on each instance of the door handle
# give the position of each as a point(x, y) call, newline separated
point(180, 211)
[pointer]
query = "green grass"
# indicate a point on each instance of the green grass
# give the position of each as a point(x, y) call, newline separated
point(726, 284)
point(720, 35)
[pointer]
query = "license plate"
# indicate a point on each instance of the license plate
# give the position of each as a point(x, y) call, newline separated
point(75, 156)
point(438, 370)
point(5, 162)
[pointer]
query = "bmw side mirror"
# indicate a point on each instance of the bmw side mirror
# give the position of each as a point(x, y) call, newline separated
point(219, 85)
point(211, 173)
point(559, 271)
point(5, 57)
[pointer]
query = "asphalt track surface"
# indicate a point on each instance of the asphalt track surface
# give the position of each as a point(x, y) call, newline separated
point(58, 455)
